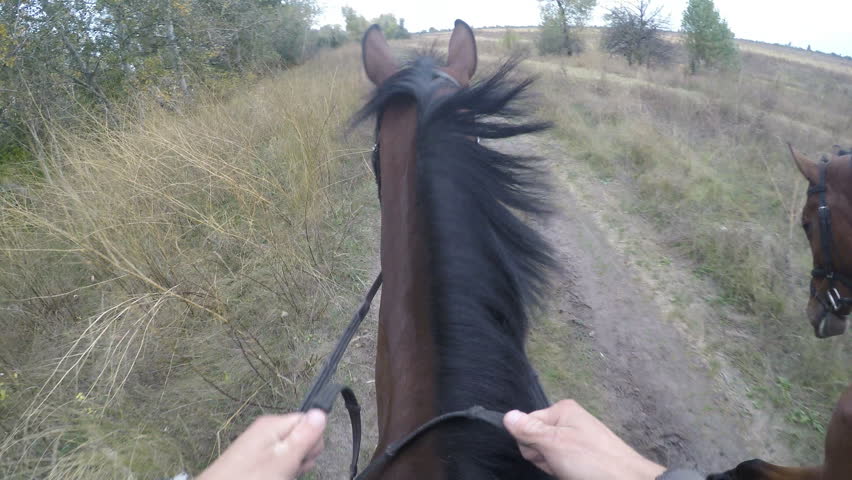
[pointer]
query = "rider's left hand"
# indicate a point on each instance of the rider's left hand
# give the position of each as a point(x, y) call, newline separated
point(273, 447)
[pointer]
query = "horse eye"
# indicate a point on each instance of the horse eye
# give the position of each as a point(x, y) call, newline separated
point(807, 227)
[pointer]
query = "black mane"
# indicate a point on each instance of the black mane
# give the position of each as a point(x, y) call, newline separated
point(488, 268)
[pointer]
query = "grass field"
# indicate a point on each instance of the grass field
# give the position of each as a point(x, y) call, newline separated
point(167, 281)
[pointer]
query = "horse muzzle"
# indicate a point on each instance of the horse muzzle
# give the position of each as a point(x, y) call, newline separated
point(828, 324)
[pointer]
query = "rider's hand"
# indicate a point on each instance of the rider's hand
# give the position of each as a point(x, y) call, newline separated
point(567, 441)
point(278, 447)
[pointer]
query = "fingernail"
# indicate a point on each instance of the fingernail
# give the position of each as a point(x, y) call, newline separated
point(315, 418)
point(514, 417)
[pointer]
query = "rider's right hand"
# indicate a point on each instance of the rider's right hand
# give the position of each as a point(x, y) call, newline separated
point(568, 442)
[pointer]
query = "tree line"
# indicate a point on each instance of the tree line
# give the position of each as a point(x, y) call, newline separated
point(635, 31)
point(57, 56)
point(60, 58)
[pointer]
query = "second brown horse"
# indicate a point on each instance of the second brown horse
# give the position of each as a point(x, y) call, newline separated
point(827, 223)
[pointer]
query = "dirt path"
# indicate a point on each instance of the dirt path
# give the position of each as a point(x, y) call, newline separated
point(610, 340)
point(658, 396)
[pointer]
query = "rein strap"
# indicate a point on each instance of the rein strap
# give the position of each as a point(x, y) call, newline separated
point(322, 395)
point(473, 413)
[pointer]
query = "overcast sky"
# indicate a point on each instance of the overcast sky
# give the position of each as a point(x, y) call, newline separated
point(826, 25)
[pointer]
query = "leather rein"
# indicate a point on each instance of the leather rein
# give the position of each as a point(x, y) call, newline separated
point(323, 393)
point(831, 301)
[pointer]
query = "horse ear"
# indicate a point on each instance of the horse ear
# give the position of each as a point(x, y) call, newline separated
point(807, 166)
point(376, 55)
point(461, 58)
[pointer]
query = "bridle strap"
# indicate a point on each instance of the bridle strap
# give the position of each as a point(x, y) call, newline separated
point(330, 366)
point(824, 214)
point(446, 76)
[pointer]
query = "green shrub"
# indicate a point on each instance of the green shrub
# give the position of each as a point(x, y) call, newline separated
point(709, 41)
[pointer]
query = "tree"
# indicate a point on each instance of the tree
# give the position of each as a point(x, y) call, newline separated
point(356, 25)
point(60, 57)
point(391, 27)
point(557, 19)
point(709, 41)
point(328, 36)
point(634, 32)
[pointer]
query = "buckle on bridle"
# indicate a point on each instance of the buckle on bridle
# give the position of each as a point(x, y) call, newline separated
point(833, 296)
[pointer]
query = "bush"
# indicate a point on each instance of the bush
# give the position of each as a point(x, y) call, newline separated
point(553, 40)
point(635, 33)
point(511, 43)
point(709, 41)
point(328, 36)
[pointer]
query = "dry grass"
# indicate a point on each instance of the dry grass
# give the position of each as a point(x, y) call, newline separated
point(171, 258)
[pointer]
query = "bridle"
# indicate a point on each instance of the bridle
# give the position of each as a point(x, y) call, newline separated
point(323, 393)
point(831, 301)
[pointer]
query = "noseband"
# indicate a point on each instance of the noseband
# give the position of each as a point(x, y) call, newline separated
point(831, 301)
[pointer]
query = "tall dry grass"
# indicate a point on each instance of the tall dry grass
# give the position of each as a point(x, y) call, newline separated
point(171, 278)
point(704, 159)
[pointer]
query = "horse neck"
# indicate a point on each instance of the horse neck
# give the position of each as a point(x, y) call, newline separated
point(405, 376)
point(838, 440)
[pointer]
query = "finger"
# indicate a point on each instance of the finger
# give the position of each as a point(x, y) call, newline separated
point(306, 467)
point(562, 413)
point(269, 429)
point(532, 454)
point(536, 458)
point(316, 450)
point(304, 436)
point(529, 453)
point(527, 429)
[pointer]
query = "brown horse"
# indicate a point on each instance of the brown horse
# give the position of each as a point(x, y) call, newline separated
point(827, 222)
point(461, 271)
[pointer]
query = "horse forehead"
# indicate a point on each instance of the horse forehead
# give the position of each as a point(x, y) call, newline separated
point(398, 119)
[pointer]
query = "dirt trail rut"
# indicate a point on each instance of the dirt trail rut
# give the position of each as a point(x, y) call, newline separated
point(659, 397)
point(654, 390)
